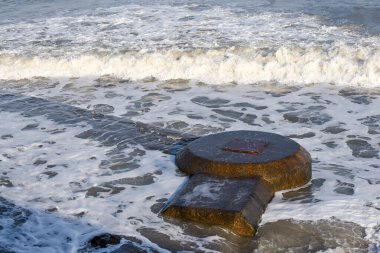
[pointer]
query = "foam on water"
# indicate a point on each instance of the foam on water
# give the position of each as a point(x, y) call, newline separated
point(338, 126)
point(208, 43)
point(53, 173)
point(162, 26)
point(338, 64)
point(310, 71)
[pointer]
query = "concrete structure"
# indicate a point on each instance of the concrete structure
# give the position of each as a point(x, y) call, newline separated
point(233, 176)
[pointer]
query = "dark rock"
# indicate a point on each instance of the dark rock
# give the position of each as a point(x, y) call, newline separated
point(103, 240)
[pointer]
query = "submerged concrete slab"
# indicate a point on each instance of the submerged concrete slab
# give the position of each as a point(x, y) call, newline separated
point(233, 203)
point(282, 162)
point(108, 130)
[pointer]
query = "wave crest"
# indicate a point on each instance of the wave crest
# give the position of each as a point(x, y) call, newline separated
point(340, 65)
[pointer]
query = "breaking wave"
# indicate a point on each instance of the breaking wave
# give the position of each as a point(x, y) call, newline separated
point(338, 64)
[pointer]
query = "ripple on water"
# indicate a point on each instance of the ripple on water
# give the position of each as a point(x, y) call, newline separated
point(321, 235)
point(128, 180)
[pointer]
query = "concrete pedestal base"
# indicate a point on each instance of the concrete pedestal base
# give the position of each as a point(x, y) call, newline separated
point(234, 176)
point(236, 204)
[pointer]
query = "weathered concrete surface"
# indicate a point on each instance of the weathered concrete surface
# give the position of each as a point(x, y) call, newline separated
point(232, 203)
point(277, 159)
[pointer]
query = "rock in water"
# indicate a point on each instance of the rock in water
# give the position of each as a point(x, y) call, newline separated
point(234, 176)
point(234, 203)
point(282, 162)
point(103, 240)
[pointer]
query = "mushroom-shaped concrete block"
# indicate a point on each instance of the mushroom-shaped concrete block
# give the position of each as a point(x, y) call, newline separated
point(282, 162)
point(233, 176)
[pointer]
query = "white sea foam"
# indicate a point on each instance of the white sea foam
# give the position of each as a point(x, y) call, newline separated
point(338, 64)
point(201, 42)
point(208, 191)
point(204, 42)
point(162, 26)
point(61, 231)
point(33, 189)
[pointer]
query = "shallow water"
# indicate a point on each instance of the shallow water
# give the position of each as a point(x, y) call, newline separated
point(81, 162)
point(96, 98)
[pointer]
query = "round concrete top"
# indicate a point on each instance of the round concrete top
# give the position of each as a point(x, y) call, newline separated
point(279, 160)
point(238, 147)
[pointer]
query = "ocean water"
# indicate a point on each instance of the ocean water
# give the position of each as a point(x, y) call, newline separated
point(97, 96)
